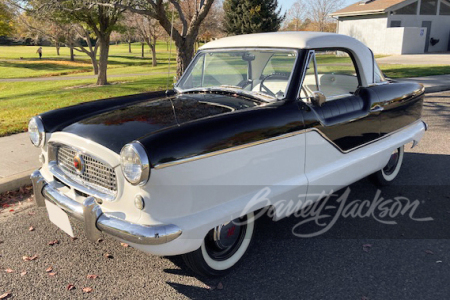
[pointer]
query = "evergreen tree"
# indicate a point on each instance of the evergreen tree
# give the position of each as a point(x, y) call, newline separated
point(251, 16)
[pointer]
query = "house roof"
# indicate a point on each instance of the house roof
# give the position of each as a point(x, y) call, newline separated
point(302, 40)
point(366, 7)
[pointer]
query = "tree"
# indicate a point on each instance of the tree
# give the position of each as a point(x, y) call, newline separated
point(100, 18)
point(6, 19)
point(252, 16)
point(60, 31)
point(183, 36)
point(296, 15)
point(148, 30)
point(319, 12)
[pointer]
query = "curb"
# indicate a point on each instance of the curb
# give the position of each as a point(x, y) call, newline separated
point(12, 183)
point(436, 89)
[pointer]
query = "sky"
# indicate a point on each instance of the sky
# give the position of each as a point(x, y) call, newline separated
point(286, 4)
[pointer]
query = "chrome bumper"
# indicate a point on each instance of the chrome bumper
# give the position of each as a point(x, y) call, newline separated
point(95, 221)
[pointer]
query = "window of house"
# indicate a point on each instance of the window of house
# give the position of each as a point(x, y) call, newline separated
point(332, 73)
point(445, 8)
point(410, 9)
point(396, 23)
point(428, 7)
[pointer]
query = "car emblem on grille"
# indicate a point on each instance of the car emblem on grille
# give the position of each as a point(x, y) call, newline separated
point(78, 163)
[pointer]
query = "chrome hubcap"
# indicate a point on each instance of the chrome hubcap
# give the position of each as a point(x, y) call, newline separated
point(224, 240)
point(392, 163)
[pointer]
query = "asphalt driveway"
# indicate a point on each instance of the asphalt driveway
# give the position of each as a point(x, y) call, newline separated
point(357, 258)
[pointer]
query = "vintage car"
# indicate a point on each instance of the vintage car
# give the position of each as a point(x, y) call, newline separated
point(176, 172)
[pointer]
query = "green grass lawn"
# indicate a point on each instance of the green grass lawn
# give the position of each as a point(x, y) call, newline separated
point(23, 62)
point(21, 100)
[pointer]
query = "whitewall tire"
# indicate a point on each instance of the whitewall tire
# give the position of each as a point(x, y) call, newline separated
point(223, 247)
point(386, 175)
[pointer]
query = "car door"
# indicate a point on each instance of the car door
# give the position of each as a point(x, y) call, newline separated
point(340, 117)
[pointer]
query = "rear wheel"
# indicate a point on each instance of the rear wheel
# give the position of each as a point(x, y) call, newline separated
point(223, 247)
point(386, 175)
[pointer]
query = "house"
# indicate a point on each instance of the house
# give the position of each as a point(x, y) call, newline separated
point(398, 26)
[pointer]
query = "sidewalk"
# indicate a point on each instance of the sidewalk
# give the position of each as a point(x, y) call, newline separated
point(19, 158)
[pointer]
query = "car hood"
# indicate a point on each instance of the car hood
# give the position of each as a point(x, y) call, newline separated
point(113, 129)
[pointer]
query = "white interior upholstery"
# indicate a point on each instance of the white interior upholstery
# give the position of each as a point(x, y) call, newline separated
point(332, 85)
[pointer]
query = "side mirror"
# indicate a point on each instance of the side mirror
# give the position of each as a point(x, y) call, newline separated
point(318, 98)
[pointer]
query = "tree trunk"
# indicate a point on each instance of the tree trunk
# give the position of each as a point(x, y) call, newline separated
point(94, 62)
point(129, 46)
point(72, 56)
point(153, 48)
point(142, 46)
point(103, 61)
point(184, 56)
point(57, 48)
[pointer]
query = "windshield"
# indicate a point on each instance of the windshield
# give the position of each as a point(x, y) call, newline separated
point(254, 72)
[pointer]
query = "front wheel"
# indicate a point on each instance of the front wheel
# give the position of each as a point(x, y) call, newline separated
point(386, 175)
point(222, 248)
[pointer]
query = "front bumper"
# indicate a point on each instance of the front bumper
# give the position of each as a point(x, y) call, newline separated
point(95, 221)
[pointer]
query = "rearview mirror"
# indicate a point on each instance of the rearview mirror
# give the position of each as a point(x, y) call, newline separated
point(318, 98)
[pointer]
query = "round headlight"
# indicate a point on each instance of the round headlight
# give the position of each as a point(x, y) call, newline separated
point(36, 132)
point(134, 163)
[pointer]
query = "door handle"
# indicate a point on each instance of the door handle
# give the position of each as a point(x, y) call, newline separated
point(376, 108)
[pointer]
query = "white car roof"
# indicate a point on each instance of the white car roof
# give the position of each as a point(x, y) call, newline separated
point(303, 40)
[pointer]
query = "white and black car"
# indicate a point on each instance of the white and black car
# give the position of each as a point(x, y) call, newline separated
point(173, 173)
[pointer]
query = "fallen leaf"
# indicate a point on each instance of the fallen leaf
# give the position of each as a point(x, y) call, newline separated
point(9, 271)
point(429, 252)
point(5, 295)
point(49, 269)
point(31, 213)
point(366, 247)
point(11, 210)
point(70, 287)
point(220, 286)
point(107, 255)
point(28, 258)
point(125, 245)
point(92, 276)
point(52, 274)
point(51, 243)
point(23, 273)
point(31, 228)
point(87, 290)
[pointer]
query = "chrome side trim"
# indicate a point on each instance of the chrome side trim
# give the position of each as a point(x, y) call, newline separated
point(95, 220)
point(236, 148)
point(362, 145)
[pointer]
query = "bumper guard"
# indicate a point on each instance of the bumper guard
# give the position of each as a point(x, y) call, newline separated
point(95, 221)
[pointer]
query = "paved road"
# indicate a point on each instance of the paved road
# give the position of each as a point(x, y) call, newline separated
point(410, 260)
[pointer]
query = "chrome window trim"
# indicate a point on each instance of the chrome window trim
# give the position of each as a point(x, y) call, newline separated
point(200, 52)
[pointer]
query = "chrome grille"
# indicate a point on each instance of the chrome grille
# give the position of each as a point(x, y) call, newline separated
point(96, 175)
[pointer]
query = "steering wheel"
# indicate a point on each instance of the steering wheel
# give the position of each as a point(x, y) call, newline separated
point(273, 76)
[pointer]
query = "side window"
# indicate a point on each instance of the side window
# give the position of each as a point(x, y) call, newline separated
point(331, 72)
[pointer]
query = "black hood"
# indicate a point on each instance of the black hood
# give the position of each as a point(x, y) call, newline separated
point(113, 129)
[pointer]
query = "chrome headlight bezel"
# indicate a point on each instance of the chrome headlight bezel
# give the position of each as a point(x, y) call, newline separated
point(35, 126)
point(129, 153)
